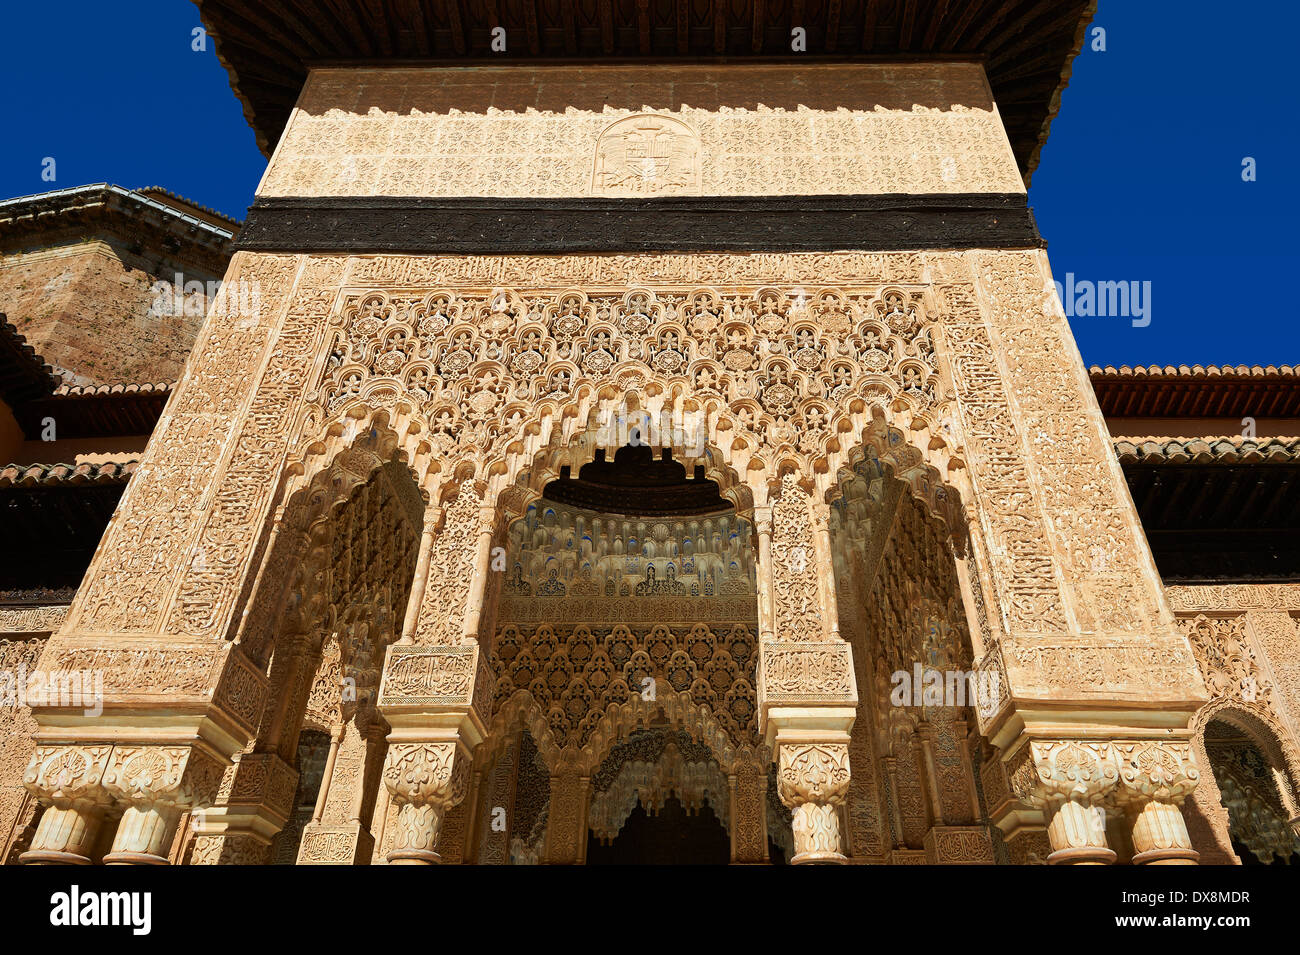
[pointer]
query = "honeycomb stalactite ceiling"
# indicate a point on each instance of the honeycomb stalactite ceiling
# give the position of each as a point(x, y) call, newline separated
point(1026, 46)
point(636, 482)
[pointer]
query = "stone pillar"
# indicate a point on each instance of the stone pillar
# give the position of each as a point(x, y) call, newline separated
point(1155, 779)
point(812, 779)
point(1072, 617)
point(748, 785)
point(175, 766)
point(566, 825)
point(436, 683)
point(763, 527)
point(807, 694)
point(339, 832)
point(156, 784)
point(159, 611)
point(481, 569)
point(499, 793)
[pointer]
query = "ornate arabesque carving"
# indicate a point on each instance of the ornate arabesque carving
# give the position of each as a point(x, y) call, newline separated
point(672, 767)
point(541, 153)
point(515, 397)
point(586, 680)
point(1255, 794)
point(774, 368)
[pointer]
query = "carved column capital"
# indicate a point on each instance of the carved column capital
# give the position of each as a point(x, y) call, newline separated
point(424, 779)
point(1155, 777)
point(67, 779)
point(813, 779)
point(173, 775)
point(1156, 770)
point(1046, 771)
point(156, 784)
point(1069, 780)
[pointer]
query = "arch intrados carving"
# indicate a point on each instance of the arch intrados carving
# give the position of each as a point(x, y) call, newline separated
point(941, 500)
point(522, 711)
point(1258, 726)
point(578, 449)
point(397, 432)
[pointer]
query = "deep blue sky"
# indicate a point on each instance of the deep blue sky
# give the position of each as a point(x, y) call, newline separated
point(1140, 180)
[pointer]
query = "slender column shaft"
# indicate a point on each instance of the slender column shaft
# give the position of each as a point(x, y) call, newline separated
point(482, 567)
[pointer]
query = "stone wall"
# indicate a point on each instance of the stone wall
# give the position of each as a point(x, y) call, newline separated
point(85, 308)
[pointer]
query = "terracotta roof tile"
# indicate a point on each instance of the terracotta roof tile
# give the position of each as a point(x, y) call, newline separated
point(1225, 450)
point(53, 475)
point(1157, 391)
point(88, 391)
point(1195, 371)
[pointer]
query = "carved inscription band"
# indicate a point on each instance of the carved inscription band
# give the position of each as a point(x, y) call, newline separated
point(475, 226)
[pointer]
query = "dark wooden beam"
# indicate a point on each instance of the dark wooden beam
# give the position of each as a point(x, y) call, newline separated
point(643, 26)
point(354, 28)
point(456, 24)
point(569, 18)
point(869, 24)
point(607, 26)
point(936, 21)
point(530, 27)
point(419, 27)
point(956, 27)
point(906, 25)
point(991, 22)
point(833, 9)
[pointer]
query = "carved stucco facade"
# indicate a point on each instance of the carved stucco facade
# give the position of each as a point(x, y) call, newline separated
point(915, 468)
point(600, 130)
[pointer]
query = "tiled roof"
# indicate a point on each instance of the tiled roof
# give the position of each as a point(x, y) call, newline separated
point(63, 475)
point(1195, 371)
point(24, 374)
point(92, 391)
point(220, 217)
point(1227, 450)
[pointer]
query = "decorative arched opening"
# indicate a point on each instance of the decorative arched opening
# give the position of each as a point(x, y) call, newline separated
point(627, 617)
point(336, 575)
point(1251, 776)
point(659, 798)
point(899, 542)
point(311, 759)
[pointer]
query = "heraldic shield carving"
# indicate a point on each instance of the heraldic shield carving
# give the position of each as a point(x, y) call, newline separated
point(647, 154)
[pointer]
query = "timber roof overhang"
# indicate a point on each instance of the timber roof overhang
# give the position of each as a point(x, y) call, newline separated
point(1026, 46)
point(1217, 510)
point(1197, 391)
point(54, 516)
point(147, 222)
point(97, 411)
point(34, 392)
